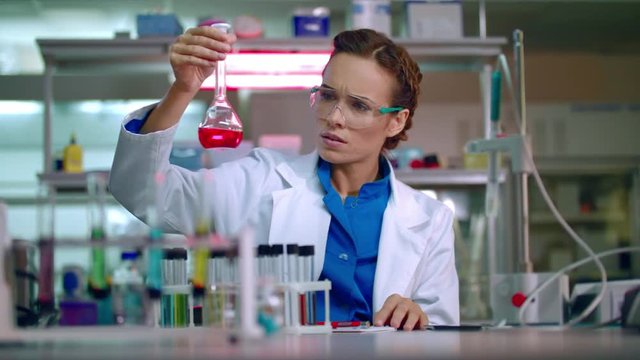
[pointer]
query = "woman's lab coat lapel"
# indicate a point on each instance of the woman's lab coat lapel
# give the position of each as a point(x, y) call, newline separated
point(299, 216)
point(299, 208)
point(402, 244)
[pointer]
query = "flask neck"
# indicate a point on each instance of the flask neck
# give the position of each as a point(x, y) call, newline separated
point(221, 80)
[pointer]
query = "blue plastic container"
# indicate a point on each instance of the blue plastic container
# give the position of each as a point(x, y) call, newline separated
point(155, 25)
point(311, 22)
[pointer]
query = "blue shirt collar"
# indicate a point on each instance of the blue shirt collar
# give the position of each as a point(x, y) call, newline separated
point(371, 190)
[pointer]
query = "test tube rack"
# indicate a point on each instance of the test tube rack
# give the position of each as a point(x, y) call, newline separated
point(246, 328)
point(301, 288)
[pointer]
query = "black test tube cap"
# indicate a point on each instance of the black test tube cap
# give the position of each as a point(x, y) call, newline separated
point(277, 249)
point(167, 254)
point(216, 254)
point(264, 250)
point(292, 249)
point(306, 250)
point(179, 253)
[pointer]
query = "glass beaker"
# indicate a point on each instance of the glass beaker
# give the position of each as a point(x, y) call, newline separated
point(221, 126)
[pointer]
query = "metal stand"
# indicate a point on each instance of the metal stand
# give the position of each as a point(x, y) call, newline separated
point(508, 291)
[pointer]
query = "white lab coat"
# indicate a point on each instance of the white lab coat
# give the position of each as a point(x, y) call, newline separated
point(281, 197)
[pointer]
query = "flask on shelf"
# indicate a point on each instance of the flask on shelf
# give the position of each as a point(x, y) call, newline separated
point(72, 156)
point(221, 126)
point(128, 296)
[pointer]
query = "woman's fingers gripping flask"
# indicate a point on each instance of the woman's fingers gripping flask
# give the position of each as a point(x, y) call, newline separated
point(221, 126)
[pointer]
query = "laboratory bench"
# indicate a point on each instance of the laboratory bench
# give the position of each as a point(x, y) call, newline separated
point(511, 343)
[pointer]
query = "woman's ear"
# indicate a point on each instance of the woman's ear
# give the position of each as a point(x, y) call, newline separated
point(396, 124)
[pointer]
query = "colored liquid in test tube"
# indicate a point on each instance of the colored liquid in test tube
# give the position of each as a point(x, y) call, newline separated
point(46, 208)
point(174, 308)
point(96, 183)
point(221, 126)
point(202, 236)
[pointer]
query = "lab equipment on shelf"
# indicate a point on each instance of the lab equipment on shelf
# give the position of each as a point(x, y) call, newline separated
point(72, 156)
point(221, 126)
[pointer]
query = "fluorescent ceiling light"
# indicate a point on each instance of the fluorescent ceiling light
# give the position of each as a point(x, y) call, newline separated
point(262, 81)
point(272, 70)
point(12, 107)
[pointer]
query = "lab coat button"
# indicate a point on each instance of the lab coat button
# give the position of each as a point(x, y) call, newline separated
point(343, 256)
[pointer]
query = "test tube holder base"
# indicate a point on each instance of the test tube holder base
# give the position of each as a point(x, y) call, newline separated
point(299, 288)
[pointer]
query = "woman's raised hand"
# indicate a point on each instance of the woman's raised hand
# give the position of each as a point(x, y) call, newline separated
point(194, 55)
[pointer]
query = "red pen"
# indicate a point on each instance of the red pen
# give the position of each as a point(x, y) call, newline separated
point(337, 324)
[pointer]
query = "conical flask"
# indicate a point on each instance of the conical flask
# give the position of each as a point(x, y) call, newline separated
point(221, 126)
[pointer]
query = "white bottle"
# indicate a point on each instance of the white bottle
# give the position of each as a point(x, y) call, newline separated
point(128, 291)
point(371, 14)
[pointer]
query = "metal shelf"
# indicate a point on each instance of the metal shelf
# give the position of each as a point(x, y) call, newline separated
point(445, 177)
point(151, 54)
point(581, 166)
point(68, 182)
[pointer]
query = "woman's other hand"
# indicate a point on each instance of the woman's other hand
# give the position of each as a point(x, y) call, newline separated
point(194, 54)
point(401, 313)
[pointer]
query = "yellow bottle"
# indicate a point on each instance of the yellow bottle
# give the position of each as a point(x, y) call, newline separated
point(72, 157)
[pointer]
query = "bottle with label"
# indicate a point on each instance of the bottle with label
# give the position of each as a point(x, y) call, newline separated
point(128, 291)
point(72, 156)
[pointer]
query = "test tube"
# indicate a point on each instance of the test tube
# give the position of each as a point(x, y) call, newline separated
point(305, 274)
point(46, 209)
point(166, 303)
point(230, 285)
point(291, 276)
point(278, 297)
point(263, 253)
point(215, 298)
point(175, 296)
point(96, 183)
point(278, 263)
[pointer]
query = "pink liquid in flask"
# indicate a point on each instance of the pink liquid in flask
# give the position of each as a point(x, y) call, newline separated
point(215, 137)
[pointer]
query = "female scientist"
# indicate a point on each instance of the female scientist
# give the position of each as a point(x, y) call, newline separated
point(387, 248)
